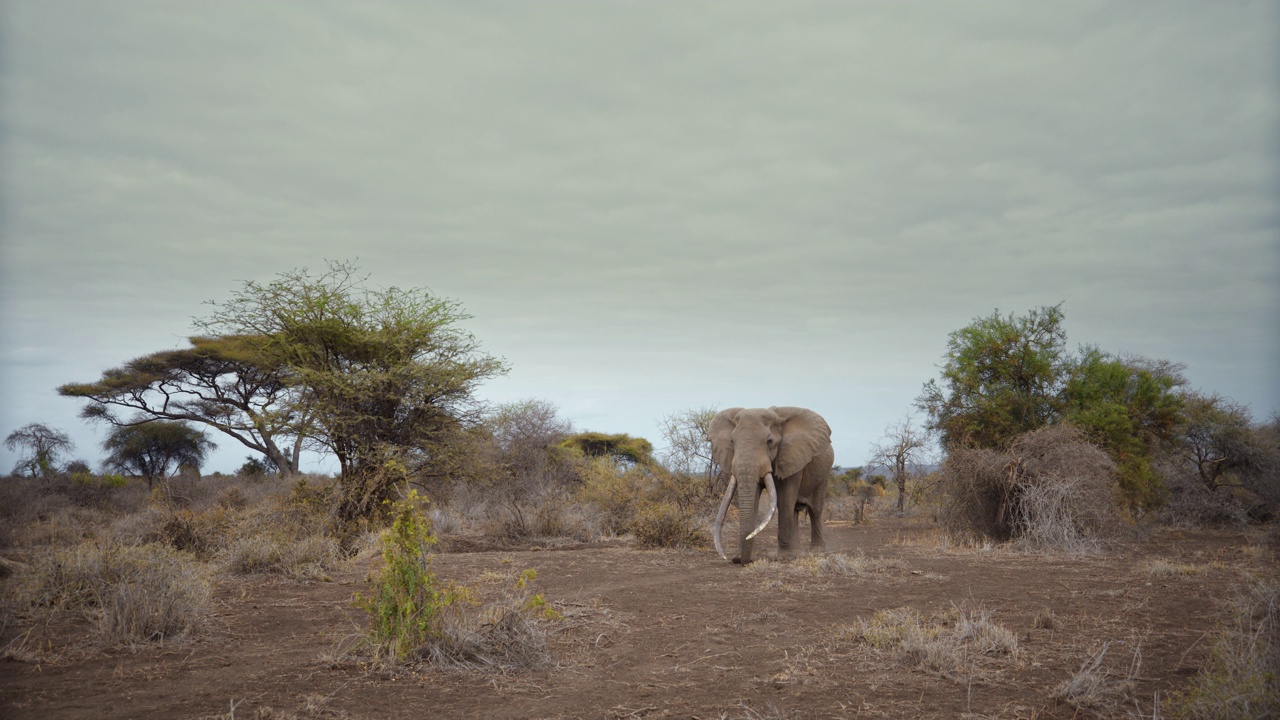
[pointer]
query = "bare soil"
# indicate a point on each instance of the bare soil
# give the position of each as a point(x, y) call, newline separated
point(681, 634)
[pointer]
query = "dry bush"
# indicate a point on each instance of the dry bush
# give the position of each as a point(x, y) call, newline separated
point(283, 532)
point(554, 515)
point(662, 509)
point(285, 536)
point(93, 492)
point(1050, 490)
point(618, 494)
point(666, 525)
point(135, 594)
point(601, 499)
point(60, 512)
point(302, 558)
point(509, 633)
point(1242, 676)
point(66, 526)
point(1188, 503)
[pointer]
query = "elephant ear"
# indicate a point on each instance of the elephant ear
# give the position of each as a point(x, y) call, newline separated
point(720, 431)
point(804, 434)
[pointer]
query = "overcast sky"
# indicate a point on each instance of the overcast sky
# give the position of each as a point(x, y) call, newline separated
point(649, 206)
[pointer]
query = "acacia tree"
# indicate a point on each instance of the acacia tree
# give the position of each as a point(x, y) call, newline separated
point(902, 450)
point(385, 377)
point(621, 448)
point(223, 382)
point(43, 445)
point(1221, 443)
point(152, 449)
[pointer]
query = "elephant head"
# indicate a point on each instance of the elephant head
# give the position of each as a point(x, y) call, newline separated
point(761, 450)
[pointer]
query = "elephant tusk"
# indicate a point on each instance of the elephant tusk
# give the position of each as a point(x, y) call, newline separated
point(724, 507)
point(773, 505)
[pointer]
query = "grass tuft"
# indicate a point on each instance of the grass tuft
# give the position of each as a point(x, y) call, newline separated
point(945, 645)
point(1098, 687)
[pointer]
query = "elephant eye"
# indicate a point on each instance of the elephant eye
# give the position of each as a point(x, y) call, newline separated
point(770, 441)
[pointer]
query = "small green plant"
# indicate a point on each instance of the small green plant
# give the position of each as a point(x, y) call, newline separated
point(414, 616)
point(407, 598)
point(533, 602)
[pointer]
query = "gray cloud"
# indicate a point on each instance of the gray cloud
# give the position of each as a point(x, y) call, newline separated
point(652, 206)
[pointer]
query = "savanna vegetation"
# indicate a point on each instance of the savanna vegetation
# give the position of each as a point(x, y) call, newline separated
point(1025, 447)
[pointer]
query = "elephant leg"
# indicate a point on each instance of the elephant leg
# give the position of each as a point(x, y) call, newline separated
point(788, 518)
point(816, 498)
point(816, 543)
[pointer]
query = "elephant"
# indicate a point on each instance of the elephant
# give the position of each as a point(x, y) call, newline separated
point(783, 450)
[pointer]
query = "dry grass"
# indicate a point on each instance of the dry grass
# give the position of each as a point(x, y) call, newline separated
point(551, 518)
point(1162, 568)
point(500, 636)
point(1045, 620)
point(952, 645)
point(134, 594)
point(305, 558)
point(827, 565)
point(279, 533)
point(1242, 676)
point(1098, 686)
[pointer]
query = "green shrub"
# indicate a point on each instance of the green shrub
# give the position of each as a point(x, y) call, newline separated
point(413, 616)
point(406, 598)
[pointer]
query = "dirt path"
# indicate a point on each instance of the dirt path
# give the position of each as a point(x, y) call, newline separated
point(679, 634)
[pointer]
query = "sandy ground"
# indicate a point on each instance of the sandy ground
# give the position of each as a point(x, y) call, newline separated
point(681, 634)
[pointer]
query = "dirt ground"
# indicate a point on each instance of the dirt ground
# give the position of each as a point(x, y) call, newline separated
point(682, 634)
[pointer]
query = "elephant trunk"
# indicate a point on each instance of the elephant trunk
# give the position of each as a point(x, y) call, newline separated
point(748, 511)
